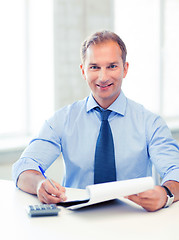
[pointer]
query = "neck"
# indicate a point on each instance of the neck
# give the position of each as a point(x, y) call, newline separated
point(105, 103)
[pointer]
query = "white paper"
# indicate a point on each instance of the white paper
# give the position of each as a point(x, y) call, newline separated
point(75, 194)
point(107, 191)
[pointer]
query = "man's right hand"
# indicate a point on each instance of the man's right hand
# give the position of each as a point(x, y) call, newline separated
point(33, 182)
point(48, 194)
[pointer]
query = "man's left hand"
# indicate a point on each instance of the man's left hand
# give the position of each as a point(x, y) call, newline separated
point(150, 200)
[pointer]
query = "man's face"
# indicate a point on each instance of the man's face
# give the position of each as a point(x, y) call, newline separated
point(103, 70)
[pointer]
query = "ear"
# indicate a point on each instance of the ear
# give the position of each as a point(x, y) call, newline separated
point(126, 66)
point(82, 71)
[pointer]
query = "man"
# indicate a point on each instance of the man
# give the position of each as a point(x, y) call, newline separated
point(141, 138)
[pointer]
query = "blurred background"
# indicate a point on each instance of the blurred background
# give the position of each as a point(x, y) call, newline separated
point(39, 62)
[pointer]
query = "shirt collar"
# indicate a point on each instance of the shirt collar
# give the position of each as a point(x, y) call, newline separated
point(118, 106)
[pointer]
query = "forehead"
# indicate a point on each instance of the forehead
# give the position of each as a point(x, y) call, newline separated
point(108, 51)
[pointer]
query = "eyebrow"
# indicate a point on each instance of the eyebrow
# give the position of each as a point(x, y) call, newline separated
point(95, 64)
point(114, 63)
point(92, 63)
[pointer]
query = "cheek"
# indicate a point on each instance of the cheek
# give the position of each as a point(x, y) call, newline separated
point(117, 75)
point(91, 76)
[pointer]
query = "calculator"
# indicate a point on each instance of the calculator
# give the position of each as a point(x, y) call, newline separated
point(42, 210)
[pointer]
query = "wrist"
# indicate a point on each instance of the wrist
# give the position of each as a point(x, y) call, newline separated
point(170, 197)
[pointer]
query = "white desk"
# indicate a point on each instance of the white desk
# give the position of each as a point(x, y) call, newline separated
point(112, 220)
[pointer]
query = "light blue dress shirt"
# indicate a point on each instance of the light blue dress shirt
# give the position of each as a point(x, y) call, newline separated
point(141, 139)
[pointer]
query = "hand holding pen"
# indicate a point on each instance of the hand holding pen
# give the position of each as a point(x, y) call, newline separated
point(48, 192)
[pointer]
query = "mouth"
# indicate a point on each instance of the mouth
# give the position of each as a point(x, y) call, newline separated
point(104, 87)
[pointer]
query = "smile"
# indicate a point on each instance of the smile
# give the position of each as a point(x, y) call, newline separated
point(104, 86)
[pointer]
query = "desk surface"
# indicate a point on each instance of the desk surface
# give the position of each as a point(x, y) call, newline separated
point(118, 219)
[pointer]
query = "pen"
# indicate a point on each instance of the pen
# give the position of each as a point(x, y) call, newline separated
point(43, 173)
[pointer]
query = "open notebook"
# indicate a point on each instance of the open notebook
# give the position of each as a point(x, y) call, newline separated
point(78, 198)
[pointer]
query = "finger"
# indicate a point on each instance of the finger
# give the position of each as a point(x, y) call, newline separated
point(147, 194)
point(45, 197)
point(48, 194)
point(146, 203)
point(51, 189)
point(59, 187)
point(52, 199)
point(150, 202)
point(58, 195)
point(134, 198)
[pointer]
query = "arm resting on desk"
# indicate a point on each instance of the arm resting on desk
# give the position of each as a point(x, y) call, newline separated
point(156, 198)
point(33, 182)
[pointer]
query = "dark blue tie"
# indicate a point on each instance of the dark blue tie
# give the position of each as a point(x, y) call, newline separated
point(104, 166)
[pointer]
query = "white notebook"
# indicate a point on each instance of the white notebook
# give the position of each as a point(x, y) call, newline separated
point(78, 198)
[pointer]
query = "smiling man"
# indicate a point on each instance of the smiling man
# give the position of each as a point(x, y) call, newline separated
point(104, 70)
point(104, 126)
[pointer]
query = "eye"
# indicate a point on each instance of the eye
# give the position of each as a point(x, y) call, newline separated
point(112, 66)
point(94, 67)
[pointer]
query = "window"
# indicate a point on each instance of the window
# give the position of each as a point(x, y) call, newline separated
point(12, 62)
point(26, 59)
point(150, 30)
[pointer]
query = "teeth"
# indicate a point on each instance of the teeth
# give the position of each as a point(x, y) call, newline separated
point(103, 86)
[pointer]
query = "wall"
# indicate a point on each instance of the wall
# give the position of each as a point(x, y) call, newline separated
point(73, 21)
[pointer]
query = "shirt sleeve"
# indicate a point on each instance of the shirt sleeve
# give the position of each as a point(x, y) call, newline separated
point(163, 149)
point(42, 150)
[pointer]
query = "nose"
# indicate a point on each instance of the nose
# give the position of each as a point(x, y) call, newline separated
point(103, 76)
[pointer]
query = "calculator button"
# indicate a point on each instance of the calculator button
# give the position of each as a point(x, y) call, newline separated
point(42, 210)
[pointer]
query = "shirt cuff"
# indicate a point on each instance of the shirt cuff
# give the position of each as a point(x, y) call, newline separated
point(22, 165)
point(171, 176)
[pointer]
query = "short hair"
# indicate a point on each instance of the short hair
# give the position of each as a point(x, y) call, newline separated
point(100, 37)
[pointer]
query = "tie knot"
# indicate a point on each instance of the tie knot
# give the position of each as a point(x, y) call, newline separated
point(104, 113)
